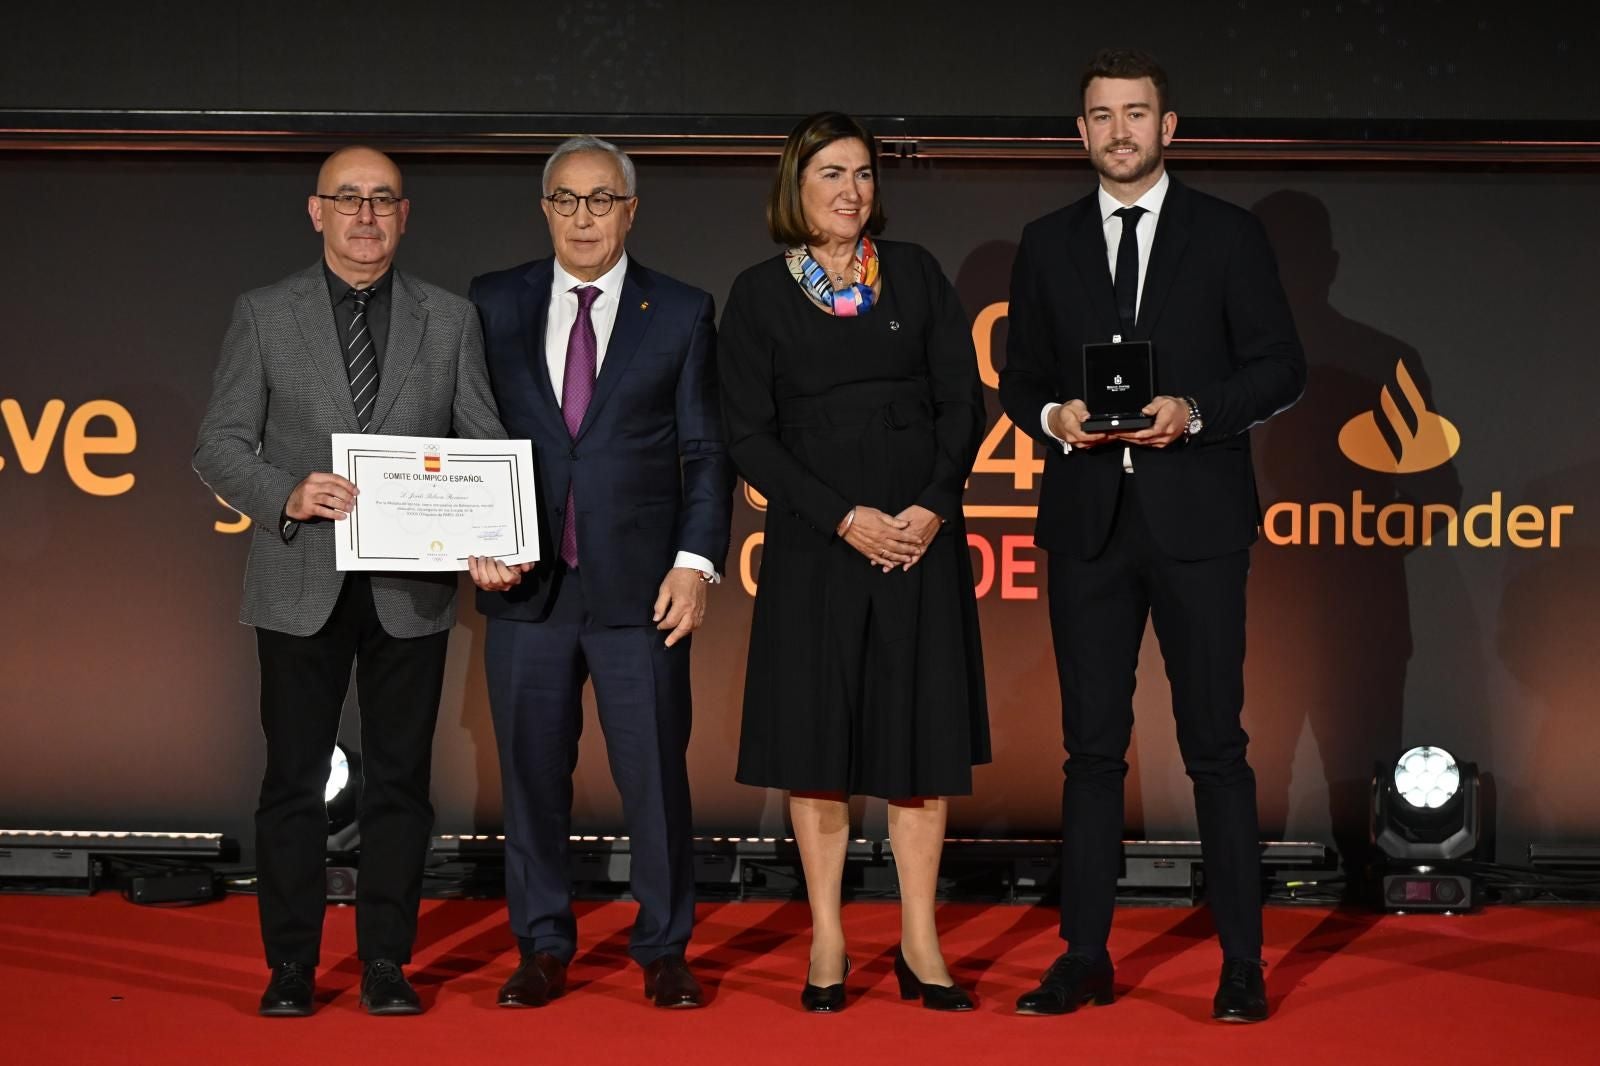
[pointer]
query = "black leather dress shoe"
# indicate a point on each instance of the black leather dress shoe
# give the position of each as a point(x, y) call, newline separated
point(539, 978)
point(1071, 981)
point(824, 999)
point(289, 993)
point(668, 982)
point(385, 990)
point(934, 997)
point(1242, 992)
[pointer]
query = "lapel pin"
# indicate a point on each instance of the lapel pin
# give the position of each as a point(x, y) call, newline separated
point(645, 306)
point(893, 325)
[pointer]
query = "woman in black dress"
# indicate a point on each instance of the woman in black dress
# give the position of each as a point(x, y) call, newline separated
point(853, 404)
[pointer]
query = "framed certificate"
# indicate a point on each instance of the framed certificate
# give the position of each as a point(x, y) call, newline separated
point(1119, 379)
point(428, 503)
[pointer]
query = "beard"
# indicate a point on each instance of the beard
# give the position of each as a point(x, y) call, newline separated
point(1143, 165)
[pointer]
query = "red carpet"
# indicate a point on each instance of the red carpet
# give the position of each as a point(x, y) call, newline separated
point(99, 980)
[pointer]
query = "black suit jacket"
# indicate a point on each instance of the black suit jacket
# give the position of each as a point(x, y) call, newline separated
point(1223, 334)
point(649, 469)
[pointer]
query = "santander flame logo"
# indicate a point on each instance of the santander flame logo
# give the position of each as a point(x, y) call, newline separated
point(1410, 438)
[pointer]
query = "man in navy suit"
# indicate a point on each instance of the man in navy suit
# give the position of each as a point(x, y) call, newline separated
point(610, 369)
point(1154, 524)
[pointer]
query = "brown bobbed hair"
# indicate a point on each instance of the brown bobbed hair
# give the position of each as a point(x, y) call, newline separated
point(1131, 64)
point(786, 220)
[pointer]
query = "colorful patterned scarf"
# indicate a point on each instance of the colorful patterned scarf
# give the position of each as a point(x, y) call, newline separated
point(847, 303)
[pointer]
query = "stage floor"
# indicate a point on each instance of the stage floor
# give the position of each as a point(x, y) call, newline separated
point(100, 980)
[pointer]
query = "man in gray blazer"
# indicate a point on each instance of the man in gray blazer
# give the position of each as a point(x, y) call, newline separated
point(348, 345)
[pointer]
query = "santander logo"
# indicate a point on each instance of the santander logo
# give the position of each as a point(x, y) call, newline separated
point(1409, 439)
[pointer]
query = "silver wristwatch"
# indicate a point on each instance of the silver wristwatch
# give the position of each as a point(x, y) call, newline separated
point(1195, 425)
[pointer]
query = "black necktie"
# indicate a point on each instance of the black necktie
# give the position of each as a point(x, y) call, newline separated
point(361, 360)
point(1126, 282)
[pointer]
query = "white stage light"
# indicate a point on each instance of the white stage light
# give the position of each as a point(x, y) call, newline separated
point(1426, 777)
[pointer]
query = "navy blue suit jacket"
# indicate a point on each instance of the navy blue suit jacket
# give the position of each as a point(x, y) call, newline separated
point(649, 467)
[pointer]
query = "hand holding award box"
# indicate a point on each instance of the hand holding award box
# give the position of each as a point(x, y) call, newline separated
point(428, 503)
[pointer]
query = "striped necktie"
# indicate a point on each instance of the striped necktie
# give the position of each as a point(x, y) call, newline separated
point(361, 360)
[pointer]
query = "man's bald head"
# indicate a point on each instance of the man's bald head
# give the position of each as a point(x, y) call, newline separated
point(355, 156)
point(359, 246)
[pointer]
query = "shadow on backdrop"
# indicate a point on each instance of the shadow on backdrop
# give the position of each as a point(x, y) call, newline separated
point(1329, 630)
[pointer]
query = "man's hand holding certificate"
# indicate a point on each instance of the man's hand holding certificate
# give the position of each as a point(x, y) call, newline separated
point(430, 504)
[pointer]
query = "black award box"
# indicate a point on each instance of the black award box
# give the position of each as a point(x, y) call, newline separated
point(1119, 379)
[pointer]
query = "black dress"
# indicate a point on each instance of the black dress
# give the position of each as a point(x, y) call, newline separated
point(858, 681)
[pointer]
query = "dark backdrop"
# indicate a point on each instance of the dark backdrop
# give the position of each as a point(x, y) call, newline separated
point(1437, 59)
point(127, 692)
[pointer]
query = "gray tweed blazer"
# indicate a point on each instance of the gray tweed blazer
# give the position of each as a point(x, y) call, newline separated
point(280, 390)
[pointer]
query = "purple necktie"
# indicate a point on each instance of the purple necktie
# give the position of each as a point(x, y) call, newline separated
point(577, 389)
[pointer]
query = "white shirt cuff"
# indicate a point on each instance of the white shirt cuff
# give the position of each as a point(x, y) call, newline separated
point(700, 563)
point(1044, 421)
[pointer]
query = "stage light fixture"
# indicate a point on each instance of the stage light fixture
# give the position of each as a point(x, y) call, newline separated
point(338, 774)
point(76, 860)
point(1427, 777)
point(768, 867)
point(1427, 820)
point(342, 795)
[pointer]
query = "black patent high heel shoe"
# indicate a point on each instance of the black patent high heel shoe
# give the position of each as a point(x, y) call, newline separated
point(934, 997)
point(825, 999)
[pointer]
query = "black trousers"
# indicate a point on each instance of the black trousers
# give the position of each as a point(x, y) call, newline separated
point(303, 685)
point(1098, 610)
point(536, 673)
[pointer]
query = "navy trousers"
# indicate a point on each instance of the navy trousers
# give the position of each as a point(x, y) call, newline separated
point(536, 673)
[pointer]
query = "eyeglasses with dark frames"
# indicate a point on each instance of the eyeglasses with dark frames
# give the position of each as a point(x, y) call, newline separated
point(599, 203)
point(348, 203)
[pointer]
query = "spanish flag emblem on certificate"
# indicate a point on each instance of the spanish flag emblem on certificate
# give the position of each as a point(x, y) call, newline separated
point(430, 462)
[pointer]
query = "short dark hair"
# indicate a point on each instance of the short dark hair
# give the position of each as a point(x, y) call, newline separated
point(786, 219)
point(1128, 63)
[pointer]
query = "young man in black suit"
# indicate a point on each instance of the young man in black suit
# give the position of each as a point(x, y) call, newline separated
point(1153, 523)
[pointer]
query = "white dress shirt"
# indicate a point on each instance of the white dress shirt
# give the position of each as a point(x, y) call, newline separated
point(1145, 229)
point(560, 319)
